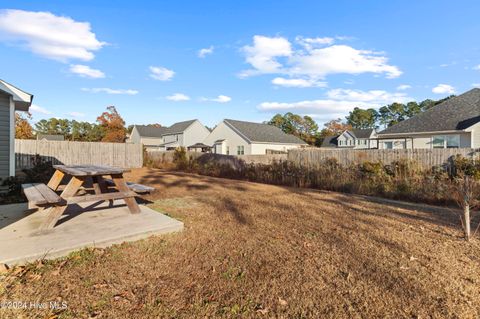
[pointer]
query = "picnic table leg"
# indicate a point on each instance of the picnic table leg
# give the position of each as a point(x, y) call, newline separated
point(122, 187)
point(96, 185)
point(100, 187)
point(56, 180)
point(55, 212)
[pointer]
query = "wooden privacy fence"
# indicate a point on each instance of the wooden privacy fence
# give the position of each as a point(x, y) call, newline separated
point(167, 157)
point(123, 155)
point(425, 158)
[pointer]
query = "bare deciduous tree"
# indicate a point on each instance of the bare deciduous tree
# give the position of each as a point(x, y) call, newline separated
point(465, 191)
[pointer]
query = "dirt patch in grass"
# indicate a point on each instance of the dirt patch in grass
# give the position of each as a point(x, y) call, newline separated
point(253, 250)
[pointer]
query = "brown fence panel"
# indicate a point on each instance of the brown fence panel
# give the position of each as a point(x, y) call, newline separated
point(125, 155)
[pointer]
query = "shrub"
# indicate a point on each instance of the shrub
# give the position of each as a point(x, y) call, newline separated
point(180, 158)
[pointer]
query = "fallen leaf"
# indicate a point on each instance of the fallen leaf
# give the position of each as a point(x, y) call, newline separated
point(282, 301)
point(413, 258)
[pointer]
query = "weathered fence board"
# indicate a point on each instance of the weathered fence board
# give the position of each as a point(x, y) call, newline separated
point(124, 155)
point(425, 158)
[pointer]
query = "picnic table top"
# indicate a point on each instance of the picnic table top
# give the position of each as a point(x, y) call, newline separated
point(89, 170)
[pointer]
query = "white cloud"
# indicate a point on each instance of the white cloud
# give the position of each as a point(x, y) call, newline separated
point(337, 103)
point(315, 59)
point(476, 85)
point(219, 99)
point(37, 109)
point(205, 51)
point(376, 97)
point(48, 35)
point(76, 114)
point(86, 72)
point(403, 87)
point(300, 83)
point(443, 89)
point(310, 43)
point(337, 59)
point(264, 53)
point(477, 67)
point(178, 97)
point(161, 73)
point(110, 91)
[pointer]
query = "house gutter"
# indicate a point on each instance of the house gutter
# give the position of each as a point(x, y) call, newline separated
point(393, 135)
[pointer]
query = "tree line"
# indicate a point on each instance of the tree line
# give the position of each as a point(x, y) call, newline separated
point(307, 129)
point(109, 127)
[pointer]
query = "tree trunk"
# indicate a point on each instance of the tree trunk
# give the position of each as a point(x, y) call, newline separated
point(466, 217)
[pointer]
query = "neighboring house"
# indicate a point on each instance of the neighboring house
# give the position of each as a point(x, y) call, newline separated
point(451, 124)
point(354, 139)
point(233, 137)
point(182, 134)
point(50, 137)
point(11, 99)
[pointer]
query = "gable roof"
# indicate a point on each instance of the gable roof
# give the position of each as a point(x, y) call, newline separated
point(150, 131)
point(330, 141)
point(178, 127)
point(22, 99)
point(362, 133)
point(457, 113)
point(264, 133)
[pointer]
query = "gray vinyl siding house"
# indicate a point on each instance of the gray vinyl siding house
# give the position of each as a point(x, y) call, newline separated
point(454, 123)
point(181, 134)
point(232, 137)
point(11, 99)
point(4, 135)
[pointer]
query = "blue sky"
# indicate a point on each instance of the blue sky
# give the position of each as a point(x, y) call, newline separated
point(320, 58)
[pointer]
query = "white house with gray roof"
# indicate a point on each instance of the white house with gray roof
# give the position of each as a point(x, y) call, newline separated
point(11, 99)
point(451, 124)
point(181, 134)
point(231, 137)
point(352, 139)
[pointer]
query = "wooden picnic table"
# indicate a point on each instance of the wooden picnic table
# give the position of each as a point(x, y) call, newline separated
point(81, 175)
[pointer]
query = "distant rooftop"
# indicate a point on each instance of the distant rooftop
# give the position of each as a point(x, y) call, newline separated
point(456, 113)
point(152, 131)
point(265, 133)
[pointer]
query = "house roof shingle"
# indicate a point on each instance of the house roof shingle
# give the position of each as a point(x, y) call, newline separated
point(330, 141)
point(179, 127)
point(152, 131)
point(457, 113)
point(257, 132)
point(362, 133)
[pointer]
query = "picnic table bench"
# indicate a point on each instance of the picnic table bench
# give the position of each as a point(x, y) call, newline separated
point(45, 197)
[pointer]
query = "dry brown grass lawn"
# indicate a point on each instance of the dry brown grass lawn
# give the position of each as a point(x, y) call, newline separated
point(253, 250)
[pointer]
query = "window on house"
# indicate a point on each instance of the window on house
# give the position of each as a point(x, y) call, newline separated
point(452, 141)
point(240, 150)
point(438, 141)
point(228, 150)
point(176, 137)
point(388, 145)
point(446, 141)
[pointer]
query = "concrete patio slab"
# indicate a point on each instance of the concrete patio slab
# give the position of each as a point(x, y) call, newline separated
point(85, 225)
